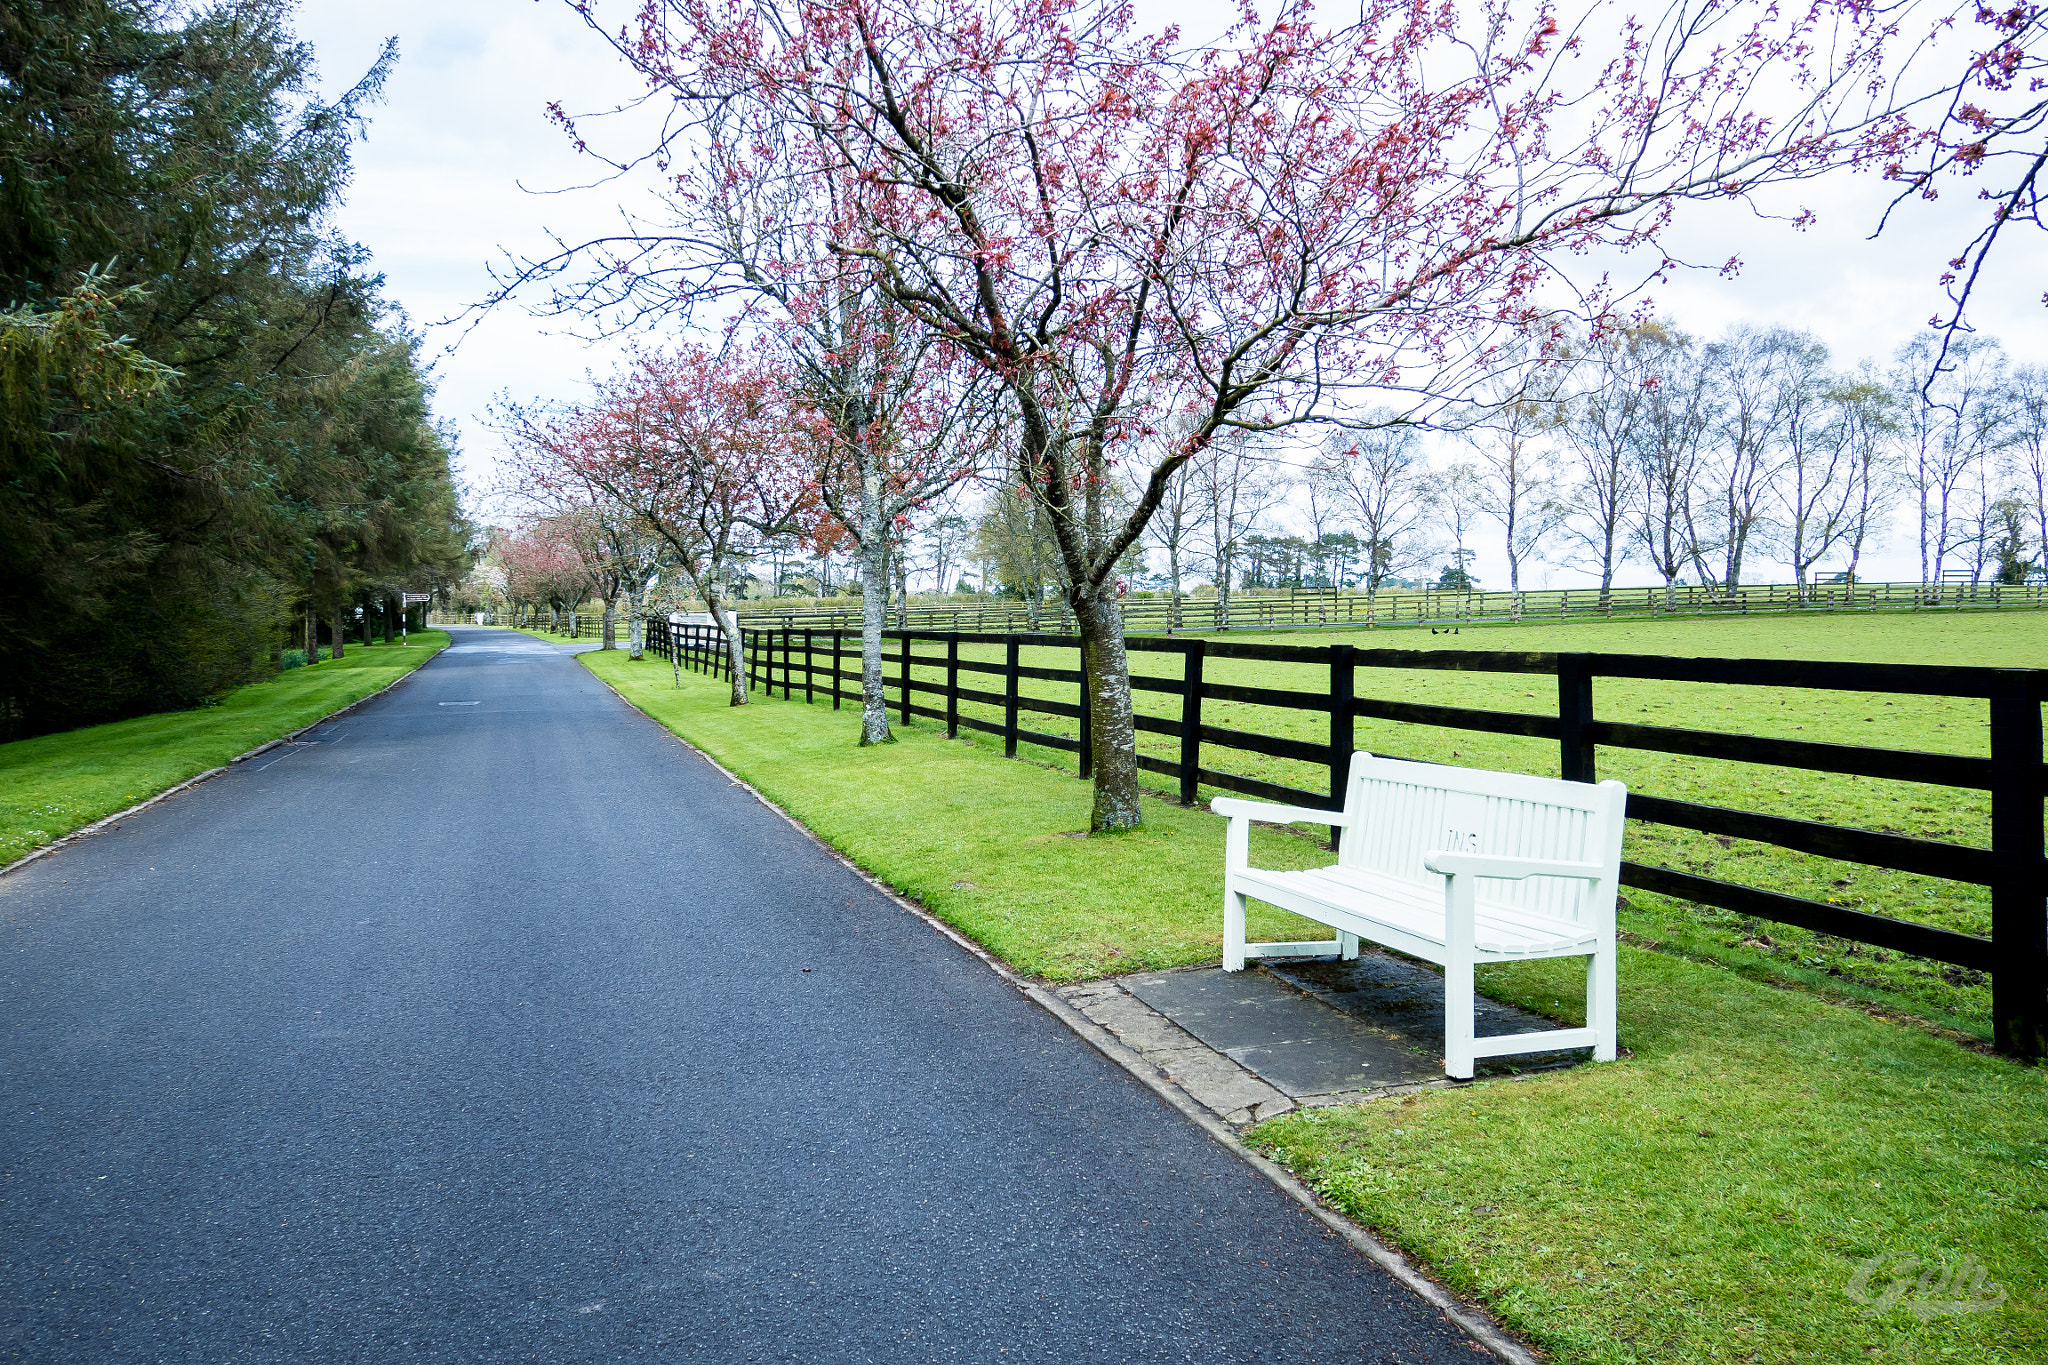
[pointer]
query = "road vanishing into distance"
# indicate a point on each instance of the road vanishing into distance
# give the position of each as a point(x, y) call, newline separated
point(477, 1028)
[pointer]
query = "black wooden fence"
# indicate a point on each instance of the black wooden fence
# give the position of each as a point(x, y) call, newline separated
point(2016, 955)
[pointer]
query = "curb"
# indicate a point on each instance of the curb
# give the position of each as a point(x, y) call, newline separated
point(107, 820)
point(1470, 1319)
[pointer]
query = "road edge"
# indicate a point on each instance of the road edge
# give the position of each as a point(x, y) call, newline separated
point(86, 831)
point(1469, 1318)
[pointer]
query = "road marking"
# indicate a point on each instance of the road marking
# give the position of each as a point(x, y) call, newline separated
point(460, 703)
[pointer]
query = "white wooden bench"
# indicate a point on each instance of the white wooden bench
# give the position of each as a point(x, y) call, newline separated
point(1455, 866)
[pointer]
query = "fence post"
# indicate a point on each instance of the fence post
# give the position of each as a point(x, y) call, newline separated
point(1190, 720)
point(1343, 677)
point(953, 686)
point(835, 670)
point(1574, 715)
point(807, 666)
point(1010, 697)
point(2019, 898)
point(1087, 733)
point(904, 645)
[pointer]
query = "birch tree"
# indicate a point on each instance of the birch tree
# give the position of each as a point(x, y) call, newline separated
point(2027, 405)
point(1377, 476)
point(1602, 437)
point(1511, 434)
point(1816, 488)
point(1677, 414)
point(1237, 488)
point(1952, 410)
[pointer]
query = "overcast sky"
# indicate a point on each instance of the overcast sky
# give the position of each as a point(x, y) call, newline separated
point(461, 164)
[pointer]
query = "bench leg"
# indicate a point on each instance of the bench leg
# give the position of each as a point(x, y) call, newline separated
point(1347, 946)
point(1233, 929)
point(1600, 1002)
point(1458, 1020)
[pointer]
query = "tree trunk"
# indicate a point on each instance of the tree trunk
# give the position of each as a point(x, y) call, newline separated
point(902, 591)
point(611, 629)
point(728, 624)
point(1173, 571)
point(1223, 590)
point(312, 635)
point(1100, 621)
point(340, 628)
point(874, 552)
point(636, 624)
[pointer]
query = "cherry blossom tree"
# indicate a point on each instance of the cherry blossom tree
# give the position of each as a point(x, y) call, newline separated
point(1987, 127)
point(704, 448)
point(1281, 229)
point(742, 236)
point(542, 564)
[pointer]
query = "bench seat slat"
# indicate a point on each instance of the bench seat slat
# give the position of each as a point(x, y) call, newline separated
point(1429, 895)
point(1417, 911)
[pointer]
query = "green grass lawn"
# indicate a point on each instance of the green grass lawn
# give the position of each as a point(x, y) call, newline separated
point(1710, 1198)
point(1707, 1198)
point(1951, 996)
point(53, 784)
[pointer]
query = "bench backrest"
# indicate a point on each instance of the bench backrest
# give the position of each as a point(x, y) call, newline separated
point(1396, 811)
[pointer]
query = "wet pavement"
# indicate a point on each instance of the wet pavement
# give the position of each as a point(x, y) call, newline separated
point(1254, 1044)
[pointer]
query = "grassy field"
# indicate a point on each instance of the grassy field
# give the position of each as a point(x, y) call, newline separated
point(53, 784)
point(1951, 996)
point(1708, 1198)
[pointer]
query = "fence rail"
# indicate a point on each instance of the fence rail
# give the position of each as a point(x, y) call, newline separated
point(808, 661)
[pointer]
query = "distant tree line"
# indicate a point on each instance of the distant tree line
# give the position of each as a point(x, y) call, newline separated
point(215, 438)
point(1640, 444)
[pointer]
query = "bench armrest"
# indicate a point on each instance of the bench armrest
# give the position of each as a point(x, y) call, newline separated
point(1511, 869)
point(1272, 813)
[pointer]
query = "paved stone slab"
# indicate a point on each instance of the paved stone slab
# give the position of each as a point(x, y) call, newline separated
point(1292, 1040)
point(1213, 1080)
point(1403, 1002)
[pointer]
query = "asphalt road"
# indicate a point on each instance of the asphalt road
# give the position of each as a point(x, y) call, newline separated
point(480, 1030)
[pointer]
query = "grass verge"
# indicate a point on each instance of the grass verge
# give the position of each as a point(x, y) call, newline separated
point(1708, 1199)
point(1712, 1198)
point(54, 784)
